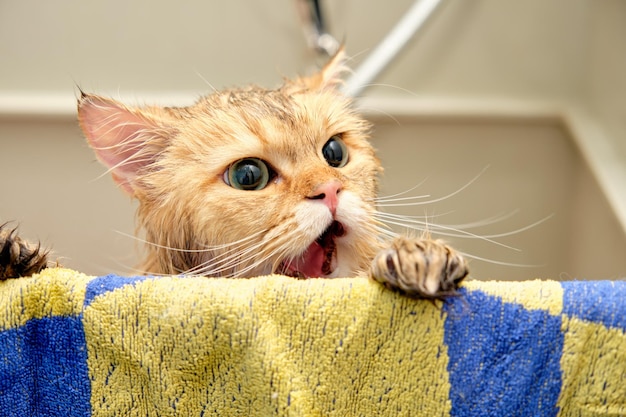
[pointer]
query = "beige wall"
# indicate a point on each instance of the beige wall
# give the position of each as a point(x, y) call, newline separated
point(605, 87)
point(533, 48)
point(563, 53)
point(573, 50)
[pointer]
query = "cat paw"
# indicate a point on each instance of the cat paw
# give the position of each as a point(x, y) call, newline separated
point(420, 268)
point(19, 258)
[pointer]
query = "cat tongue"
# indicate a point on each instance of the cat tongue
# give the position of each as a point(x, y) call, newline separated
point(319, 259)
point(310, 263)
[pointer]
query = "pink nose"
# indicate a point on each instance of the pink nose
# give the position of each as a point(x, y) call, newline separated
point(328, 193)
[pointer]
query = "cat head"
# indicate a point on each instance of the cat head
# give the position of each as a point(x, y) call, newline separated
point(246, 181)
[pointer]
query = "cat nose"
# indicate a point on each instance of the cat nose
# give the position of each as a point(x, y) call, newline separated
point(328, 193)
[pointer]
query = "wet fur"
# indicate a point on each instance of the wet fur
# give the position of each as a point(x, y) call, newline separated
point(172, 160)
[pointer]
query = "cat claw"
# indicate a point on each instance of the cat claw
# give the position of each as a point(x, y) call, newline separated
point(420, 268)
point(19, 258)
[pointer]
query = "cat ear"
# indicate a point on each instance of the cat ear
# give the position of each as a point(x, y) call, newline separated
point(330, 77)
point(126, 140)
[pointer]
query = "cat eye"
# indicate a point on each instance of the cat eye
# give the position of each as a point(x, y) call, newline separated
point(335, 152)
point(248, 174)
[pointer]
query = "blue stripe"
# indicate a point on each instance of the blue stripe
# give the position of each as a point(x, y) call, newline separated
point(597, 301)
point(43, 369)
point(504, 359)
point(104, 284)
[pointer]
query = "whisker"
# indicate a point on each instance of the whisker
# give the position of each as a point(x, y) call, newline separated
point(393, 219)
point(205, 80)
point(493, 261)
point(395, 87)
point(206, 249)
point(147, 273)
point(238, 258)
point(252, 266)
point(234, 255)
point(436, 200)
point(385, 232)
point(486, 222)
point(384, 197)
point(425, 217)
point(384, 113)
point(223, 262)
point(229, 245)
point(425, 220)
point(392, 200)
point(521, 229)
point(277, 253)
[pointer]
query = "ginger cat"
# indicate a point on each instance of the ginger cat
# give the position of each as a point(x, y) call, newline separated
point(249, 182)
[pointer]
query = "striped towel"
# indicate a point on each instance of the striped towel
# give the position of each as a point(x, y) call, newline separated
point(76, 345)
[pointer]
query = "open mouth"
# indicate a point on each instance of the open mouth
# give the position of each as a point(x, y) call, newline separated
point(319, 259)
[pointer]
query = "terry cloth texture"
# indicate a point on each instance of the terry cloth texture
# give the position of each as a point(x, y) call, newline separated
point(74, 345)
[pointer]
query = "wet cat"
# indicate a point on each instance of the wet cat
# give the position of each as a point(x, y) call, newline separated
point(251, 181)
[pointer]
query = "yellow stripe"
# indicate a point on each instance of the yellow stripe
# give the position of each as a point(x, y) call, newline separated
point(265, 346)
point(533, 295)
point(594, 382)
point(54, 292)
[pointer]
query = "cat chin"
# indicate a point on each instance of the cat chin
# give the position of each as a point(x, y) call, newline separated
point(319, 259)
point(330, 256)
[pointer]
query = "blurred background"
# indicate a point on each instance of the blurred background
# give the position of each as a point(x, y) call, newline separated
point(507, 114)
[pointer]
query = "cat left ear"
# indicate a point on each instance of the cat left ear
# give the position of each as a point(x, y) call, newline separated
point(126, 140)
point(330, 77)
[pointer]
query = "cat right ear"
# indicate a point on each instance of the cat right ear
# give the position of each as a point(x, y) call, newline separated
point(331, 75)
point(126, 140)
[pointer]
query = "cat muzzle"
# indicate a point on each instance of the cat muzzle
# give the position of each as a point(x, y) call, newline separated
point(319, 260)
